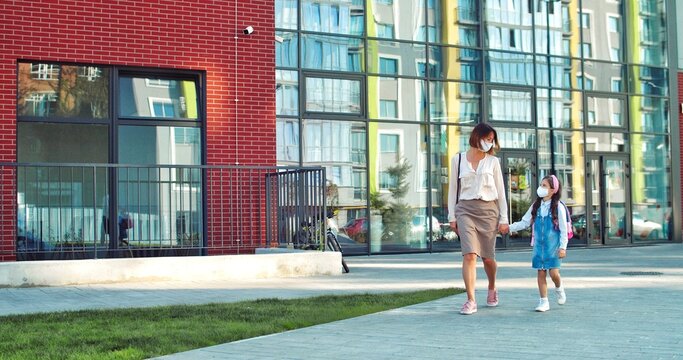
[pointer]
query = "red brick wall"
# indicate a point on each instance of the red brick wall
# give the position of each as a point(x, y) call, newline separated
point(196, 35)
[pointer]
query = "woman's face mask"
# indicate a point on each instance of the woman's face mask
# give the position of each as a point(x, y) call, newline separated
point(542, 192)
point(485, 146)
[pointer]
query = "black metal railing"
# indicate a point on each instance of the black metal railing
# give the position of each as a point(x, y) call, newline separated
point(85, 211)
point(300, 227)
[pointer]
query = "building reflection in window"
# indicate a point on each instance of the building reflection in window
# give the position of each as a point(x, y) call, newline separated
point(456, 63)
point(339, 146)
point(651, 187)
point(286, 92)
point(508, 25)
point(397, 98)
point(287, 141)
point(447, 141)
point(397, 19)
point(607, 142)
point(650, 38)
point(330, 95)
point(605, 112)
point(398, 187)
point(286, 14)
point(286, 49)
point(332, 16)
point(332, 53)
point(395, 58)
point(464, 17)
point(567, 109)
point(649, 114)
point(510, 106)
point(62, 91)
point(510, 68)
point(157, 98)
point(454, 102)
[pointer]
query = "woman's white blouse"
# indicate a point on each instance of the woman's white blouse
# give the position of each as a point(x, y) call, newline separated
point(543, 210)
point(486, 183)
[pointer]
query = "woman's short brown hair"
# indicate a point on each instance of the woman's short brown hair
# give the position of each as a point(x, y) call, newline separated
point(481, 131)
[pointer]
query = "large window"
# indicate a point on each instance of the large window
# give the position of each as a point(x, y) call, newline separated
point(606, 112)
point(332, 53)
point(67, 114)
point(333, 95)
point(510, 105)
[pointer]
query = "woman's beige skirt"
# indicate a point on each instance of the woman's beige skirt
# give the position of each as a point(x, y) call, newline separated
point(478, 226)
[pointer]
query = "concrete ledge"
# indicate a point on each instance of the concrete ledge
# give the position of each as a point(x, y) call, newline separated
point(277, 250)
point(226, 267)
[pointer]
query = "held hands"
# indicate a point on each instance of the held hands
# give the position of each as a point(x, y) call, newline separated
point(503, 228)
point(562, 253)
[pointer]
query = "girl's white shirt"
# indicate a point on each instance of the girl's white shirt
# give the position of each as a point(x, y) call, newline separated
point(544, 210)
point(485, 183)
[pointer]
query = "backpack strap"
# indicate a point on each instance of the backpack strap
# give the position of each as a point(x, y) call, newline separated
point(457, 194)
point(566, 211)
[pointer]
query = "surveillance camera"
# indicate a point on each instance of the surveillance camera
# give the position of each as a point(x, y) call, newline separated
point(248, 30)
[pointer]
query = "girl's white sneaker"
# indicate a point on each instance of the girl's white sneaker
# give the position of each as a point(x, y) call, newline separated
point(561, 296)
point(543, 305)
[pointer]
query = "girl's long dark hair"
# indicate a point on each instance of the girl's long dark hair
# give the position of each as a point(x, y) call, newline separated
point(553, 201)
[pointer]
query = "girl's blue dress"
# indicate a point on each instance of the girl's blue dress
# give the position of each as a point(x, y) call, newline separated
point(546, 244)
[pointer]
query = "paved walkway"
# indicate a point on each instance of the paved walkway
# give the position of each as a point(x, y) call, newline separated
point(608, 314)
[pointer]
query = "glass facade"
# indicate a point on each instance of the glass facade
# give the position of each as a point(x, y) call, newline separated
point(389, 90)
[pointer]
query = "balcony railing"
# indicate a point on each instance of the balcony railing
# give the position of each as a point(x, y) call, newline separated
point(86, 211)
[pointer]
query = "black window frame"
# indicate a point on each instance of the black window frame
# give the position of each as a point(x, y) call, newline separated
point(113, 120)
point(306, 114)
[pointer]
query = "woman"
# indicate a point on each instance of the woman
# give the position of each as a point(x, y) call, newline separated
point(477, 210)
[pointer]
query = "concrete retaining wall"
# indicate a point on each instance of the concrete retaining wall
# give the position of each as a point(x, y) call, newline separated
point(226, 267)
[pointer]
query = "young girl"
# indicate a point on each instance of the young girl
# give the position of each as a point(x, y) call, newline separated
point(549, 237)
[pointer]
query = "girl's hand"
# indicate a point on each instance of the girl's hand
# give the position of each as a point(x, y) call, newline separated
point(562, 253)
point(503, 228)
point(454, 226)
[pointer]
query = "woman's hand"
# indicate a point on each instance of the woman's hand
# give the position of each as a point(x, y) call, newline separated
point(503, 228)
point(454, 226)
point(562, 253)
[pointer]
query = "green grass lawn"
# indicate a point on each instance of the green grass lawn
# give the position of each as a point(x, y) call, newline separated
point(149, 332)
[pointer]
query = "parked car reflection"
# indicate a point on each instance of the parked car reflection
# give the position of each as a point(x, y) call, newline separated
point(646, 228)
point(419, 228)
point(356, 229)
point(642, 228)
point(342, 238)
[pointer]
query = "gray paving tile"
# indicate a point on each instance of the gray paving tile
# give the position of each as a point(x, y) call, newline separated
point(608, 314)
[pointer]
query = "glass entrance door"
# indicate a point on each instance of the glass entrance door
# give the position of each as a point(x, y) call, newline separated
point(608, 179)
point(519, 173)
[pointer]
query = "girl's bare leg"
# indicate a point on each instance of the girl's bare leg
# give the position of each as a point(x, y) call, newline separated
point(555, 276)
point(542, 284)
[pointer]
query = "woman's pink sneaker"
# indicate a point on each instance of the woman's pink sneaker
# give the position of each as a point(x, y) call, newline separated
point(469, 308)
point(492, 298)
